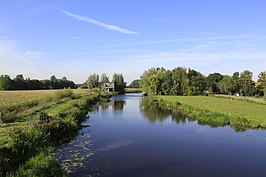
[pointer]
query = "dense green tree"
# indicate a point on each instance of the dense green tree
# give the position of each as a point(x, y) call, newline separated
point(167, 83)
point(226, 85)
point(104, 78)
point(145, 81)
point(212, 82)
point(159, 82)
point(5, 82)
point(235, 83)
point(261, 83)
point(179, 81)
point(19, 83)
point(247, 85)
point(92, 81)
point(197, 83)
point(120, 84)
point(135, 84)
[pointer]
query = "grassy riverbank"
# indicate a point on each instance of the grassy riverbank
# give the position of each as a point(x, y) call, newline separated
point(218, 111)
point(26, 141)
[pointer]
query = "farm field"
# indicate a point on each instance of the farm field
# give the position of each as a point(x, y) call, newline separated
point(252, 111)
point(15, 97)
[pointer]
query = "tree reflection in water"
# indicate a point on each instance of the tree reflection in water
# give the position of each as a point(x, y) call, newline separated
point(154, 113)
point(118, 105)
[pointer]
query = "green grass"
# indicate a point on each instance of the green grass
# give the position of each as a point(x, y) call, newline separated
point(235, 110)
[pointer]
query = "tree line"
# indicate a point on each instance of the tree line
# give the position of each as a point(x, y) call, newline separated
point(94, 80)
point(183, 81)
point(19, 83)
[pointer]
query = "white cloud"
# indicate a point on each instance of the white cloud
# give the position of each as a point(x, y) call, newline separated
point(14, 62)
point(95, 22)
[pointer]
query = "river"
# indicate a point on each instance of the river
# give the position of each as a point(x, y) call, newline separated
point(131, 137)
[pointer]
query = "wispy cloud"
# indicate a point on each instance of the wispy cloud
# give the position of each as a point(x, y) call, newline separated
point(95, 22)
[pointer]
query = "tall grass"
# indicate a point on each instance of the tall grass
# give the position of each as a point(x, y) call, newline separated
point(42, 165)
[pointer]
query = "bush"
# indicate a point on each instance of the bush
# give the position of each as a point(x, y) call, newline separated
point(8, 117)
point(25, 143)
point(58, 130)
point(42, 165)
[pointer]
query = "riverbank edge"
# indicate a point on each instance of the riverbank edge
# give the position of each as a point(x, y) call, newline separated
point(29, 152)
point(208, 117)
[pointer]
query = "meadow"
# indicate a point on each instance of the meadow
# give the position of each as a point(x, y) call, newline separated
point(234, 112)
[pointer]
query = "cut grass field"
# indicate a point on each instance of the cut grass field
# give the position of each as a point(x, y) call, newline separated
point(235, 110)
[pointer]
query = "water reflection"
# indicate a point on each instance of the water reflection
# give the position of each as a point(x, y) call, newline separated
point(154, 113)
point(129, 139)
point(118, 105)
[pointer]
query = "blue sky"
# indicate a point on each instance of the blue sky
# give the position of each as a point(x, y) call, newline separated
point(75, 38)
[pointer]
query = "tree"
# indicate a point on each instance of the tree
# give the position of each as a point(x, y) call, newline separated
point(92, 81)
point(180, 81)
point(197, 83)
point(5, 82)
point(247, 85)
point(120, 84)
point(104, 78)
point(235, 83)
point(226, 85)
point(212, 82)
point(54, 82)
point(261, 83)
point(145, 79)
point(135, 84)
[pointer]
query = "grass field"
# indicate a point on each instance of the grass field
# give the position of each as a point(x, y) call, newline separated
point(16, 97)
point(254, 112)
point(243, 98)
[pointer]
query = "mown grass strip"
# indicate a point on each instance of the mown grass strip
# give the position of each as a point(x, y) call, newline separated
point(221, 111)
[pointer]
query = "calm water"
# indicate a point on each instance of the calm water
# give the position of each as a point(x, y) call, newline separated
point(131, 136)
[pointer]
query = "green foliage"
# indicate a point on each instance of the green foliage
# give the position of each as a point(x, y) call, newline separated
point(226, 85)
point(42, 165)
point(5, 82)
point(58, 130)
point(104, 78)
point(180, 81)
point(19, 83)
point(247, 85)
point(212, 82)
point(92, 81)
point(8, 117)
point(135, 84)
point(158, 81)
point(120, 84)
point(23, 143)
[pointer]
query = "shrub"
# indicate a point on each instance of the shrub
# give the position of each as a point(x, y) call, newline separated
point(25, 143)
point(42, 165)
point(8, 117)
point(59, 130)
